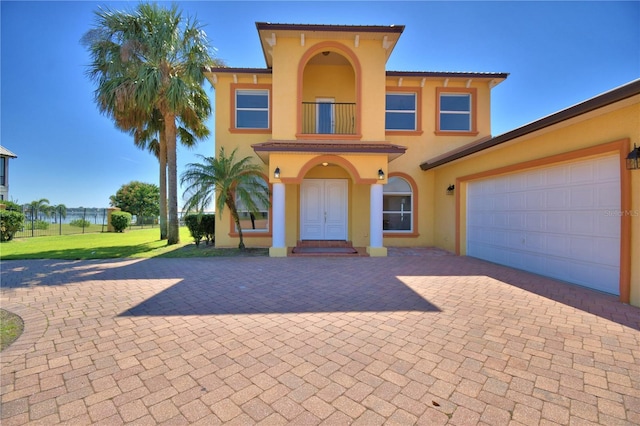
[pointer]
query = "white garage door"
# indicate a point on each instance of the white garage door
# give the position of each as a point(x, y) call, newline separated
point(560, 221)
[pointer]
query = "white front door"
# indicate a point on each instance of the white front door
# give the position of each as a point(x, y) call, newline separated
point(323, 209)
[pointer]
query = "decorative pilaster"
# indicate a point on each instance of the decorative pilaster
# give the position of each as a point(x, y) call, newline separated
point(375, 248)
point(278, 247)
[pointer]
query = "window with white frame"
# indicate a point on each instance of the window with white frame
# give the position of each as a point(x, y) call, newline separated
point(400, 113)
point(397, 205)
point(252, 109)
point(455, 112)
point(256, 221)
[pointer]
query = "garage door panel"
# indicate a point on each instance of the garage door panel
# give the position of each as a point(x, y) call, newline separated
point(583, 172)
point(605, 171)
point(551, 221)
point(534, 200)
point(558, 245)
point(557, 222)
point(556, 176)
point(608, 195)
point(607, 226)
point(535, 179)
point(582, 248)
point(535, 221)
point(517, 201)
point(515, 182)
point(557, 198)
point(536, 242)
point(582, 223)
point(582, 197)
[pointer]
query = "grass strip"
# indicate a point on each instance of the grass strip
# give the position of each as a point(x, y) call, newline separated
point(11, 327)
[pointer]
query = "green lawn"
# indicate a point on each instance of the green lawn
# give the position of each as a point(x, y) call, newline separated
point(11, 327)
point(134, 243)
point(108, 245)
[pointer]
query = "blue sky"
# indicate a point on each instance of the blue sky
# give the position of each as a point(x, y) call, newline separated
point(557, 54)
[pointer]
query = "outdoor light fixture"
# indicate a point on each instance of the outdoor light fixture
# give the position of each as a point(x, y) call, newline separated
point(633, 159)
point(276, 173)
point(380, 174)
point(450, 189)
point(325, 164)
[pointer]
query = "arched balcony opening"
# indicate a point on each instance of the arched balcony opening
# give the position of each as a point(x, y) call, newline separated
point(329, 95)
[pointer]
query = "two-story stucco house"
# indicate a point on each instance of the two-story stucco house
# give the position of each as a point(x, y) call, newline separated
point(5, 155)
point(356, 153)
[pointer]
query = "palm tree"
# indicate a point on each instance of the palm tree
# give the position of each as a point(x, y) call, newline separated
point(39, 206)
point(61, 211)
point(146, 60)
point(234, 182)
point(148, 136)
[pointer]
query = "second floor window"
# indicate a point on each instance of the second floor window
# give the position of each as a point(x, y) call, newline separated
point(455, 112)
point(400, 111)
point(252, 109)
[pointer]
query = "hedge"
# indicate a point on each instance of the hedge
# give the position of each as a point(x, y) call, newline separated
point(201, 226)
point(10, 223)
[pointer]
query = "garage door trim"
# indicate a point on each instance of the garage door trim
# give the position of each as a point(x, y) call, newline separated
point(621, 147)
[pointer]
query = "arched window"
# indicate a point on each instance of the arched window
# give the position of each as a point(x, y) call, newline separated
point(397, 206)
point(254, 222)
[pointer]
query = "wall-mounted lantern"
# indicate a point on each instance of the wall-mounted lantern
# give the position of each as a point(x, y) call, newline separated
point(633, 159)
point(276, 173)
point(450, 189)
point(380, 174)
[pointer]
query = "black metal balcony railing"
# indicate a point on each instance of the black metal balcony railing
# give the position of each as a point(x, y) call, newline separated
point(329, 118)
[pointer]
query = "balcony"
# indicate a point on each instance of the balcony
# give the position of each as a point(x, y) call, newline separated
point(329, 118)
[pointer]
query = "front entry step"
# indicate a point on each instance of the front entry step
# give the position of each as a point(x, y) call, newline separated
point(326, 248)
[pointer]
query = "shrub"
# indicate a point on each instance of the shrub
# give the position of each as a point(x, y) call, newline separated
point(120, 220)
point(201, 226)
point(37, 224)
point(80, 223)
point(10, 223)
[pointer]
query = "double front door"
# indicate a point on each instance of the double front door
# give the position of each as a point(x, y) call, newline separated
point(323, 209)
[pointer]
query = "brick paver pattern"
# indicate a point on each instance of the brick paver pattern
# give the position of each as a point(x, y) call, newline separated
point(419, 337)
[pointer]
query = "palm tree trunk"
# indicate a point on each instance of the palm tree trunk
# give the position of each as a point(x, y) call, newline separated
point(162, 157)
point(231, 203)
point(173, 230)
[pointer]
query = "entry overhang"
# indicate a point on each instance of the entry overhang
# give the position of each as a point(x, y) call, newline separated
point(328, 148)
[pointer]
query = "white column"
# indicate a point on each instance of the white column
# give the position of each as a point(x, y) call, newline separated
point(278, 247)
point(375, 219)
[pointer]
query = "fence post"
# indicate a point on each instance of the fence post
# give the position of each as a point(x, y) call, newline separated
point(104, 216)
point(33, 223)
point(84, 218)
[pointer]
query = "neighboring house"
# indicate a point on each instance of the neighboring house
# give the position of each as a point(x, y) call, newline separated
point(5, 154)
point(353, 152)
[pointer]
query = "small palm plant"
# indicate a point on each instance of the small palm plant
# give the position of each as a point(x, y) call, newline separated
point(234, 181)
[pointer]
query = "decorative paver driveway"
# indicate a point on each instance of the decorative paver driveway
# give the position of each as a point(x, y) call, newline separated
point(420, 337)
